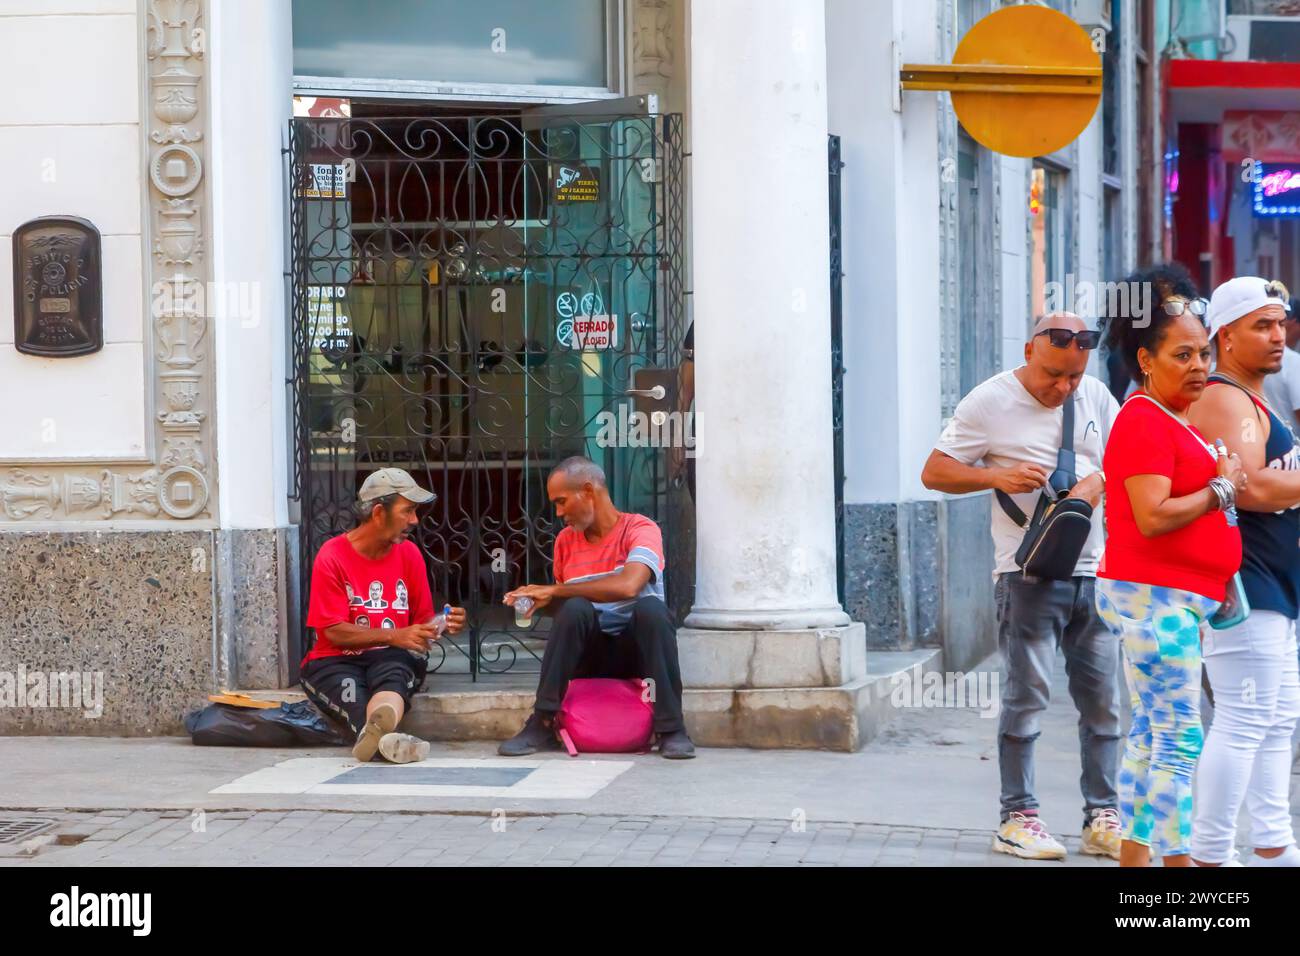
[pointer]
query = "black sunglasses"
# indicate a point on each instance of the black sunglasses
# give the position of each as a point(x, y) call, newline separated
point(1062, 338)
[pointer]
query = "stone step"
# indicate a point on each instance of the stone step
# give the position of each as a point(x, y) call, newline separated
point(454, 708)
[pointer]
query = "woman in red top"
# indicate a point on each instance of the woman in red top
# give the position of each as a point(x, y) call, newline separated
point(1170, 550)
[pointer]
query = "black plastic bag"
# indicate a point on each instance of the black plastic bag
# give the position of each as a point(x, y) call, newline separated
point(289, 725)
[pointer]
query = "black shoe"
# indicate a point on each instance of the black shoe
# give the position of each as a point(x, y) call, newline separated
point(534, 737)
point(676, 746)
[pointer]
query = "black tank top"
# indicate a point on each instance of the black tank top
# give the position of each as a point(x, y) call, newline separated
point(1270, 541)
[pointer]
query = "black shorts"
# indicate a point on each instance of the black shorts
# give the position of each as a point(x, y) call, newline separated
point(343, 685)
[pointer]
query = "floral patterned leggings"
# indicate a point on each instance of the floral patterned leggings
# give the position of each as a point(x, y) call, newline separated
point(1159, 629)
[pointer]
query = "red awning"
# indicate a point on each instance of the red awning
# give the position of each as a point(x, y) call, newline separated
point(1201, 91)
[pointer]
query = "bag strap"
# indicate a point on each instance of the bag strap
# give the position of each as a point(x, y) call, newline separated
point(1065, 454)
point(568, 743)
point(1064, 466)
point(1199, 440)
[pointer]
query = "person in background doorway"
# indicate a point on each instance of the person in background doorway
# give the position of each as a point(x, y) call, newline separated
point(1005, 435)
point(681, 460)
point(1170, 551)
point(1252, 666)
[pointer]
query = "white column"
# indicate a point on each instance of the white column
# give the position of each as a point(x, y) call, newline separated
point(760, 239)
point(251, 52)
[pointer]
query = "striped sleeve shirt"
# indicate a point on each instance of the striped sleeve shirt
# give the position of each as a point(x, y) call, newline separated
point(635, 538)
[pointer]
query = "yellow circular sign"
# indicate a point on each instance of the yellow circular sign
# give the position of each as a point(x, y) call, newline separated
point(1047, 87)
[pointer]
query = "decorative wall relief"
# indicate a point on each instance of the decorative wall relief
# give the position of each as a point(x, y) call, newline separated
point(654, 51)
point(176, 486)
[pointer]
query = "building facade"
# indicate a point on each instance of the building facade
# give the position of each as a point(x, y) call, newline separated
point(471, 241)
point(1230, 127)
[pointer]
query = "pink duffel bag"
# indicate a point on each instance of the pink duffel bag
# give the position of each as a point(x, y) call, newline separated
point(601, 715)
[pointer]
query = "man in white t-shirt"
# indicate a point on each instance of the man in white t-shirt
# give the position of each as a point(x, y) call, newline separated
point(1004, 436)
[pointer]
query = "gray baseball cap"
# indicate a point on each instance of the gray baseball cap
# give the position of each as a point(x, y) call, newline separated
point(393, 481)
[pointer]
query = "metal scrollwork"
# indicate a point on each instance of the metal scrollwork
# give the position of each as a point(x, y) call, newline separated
point(428, 295)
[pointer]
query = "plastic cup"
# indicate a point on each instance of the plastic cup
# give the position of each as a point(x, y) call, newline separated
point(522, 606)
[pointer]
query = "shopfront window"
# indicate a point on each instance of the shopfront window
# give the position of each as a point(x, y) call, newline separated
point(432, 46)
point(1050, 237)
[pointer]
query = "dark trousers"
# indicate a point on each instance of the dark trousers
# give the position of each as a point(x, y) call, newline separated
point(343, 685)
point(647, 649)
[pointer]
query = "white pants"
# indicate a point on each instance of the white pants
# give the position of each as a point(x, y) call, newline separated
point(1247, 755)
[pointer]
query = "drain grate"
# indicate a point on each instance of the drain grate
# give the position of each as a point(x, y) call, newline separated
point(13, 829)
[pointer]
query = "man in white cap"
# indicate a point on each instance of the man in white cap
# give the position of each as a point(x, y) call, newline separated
point(1252, 665)
point(369, 658)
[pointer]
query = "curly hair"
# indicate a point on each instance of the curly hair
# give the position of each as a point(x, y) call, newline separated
point(1137, 328)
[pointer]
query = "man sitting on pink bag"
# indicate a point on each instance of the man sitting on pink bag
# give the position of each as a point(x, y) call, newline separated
point(611, 619)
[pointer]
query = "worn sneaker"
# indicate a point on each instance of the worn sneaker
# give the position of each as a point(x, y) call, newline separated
point(402, 748)
point(382, 720)
point(1024, 835)
point(1102, 835)
point(1288, 857)
point(534, 736)
point(676, 746)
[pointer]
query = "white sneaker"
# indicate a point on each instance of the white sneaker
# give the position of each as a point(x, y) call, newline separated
point(403, 748)
point(1288, 857)
point(1025, 836)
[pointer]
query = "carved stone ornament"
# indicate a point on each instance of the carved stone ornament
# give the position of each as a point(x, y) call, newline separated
point(652, 46)
point(176, 485)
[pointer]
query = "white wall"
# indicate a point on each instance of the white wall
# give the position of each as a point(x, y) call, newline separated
point(891, 246)
point(251, 66)
point(70, 144)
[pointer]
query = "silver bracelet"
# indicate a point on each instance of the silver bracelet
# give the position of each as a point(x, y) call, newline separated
point(1225, 491)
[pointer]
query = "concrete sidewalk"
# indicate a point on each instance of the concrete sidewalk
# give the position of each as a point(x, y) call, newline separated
point(931, 767)
point(930, 778)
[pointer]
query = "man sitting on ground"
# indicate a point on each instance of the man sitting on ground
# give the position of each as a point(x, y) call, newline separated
point(370, 652)
point(612, 621)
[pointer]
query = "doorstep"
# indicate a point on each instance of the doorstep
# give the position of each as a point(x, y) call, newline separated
point(454, 708)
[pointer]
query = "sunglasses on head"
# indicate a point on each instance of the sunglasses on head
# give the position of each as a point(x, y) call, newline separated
point(1176, 307)
point(1062, 338)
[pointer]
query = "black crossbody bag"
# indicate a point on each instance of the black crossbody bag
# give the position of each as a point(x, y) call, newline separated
point(1055, 536)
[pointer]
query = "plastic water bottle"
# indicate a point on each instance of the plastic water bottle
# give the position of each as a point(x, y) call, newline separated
point(522, 606)
point(439, 624)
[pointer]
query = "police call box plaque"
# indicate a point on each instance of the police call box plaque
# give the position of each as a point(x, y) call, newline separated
point(58, 287)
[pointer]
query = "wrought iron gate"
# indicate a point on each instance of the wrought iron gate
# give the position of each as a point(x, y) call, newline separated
point(472, 299)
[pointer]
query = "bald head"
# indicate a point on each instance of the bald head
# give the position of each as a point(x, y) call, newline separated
point(577, 489)
point(1057, 320)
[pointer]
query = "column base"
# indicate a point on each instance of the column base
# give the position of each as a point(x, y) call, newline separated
point(843, 718)
point(750, 619)
point(804, 657)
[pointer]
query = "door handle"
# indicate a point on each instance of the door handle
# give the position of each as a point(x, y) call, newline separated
point(658, 393)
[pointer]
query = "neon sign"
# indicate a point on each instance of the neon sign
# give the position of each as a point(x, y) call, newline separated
point(1277, 189)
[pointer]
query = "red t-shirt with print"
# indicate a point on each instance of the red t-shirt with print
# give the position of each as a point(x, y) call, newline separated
point(1199, 557)
point(349, 588)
